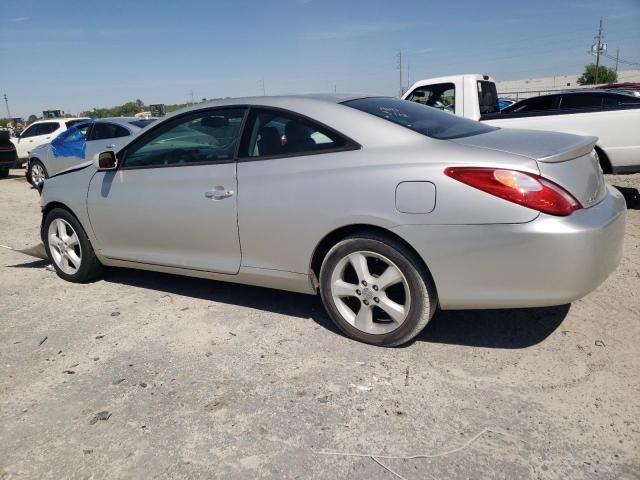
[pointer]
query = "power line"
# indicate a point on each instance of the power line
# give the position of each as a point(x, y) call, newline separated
point(621, 60)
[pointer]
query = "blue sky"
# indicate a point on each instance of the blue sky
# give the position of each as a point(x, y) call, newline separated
point(80, 55)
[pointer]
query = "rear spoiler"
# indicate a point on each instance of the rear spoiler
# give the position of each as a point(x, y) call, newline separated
point(582, 146)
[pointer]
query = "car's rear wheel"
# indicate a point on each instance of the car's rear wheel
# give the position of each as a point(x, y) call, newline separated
point(376, 290)
point(37, 173)
point(69, 248)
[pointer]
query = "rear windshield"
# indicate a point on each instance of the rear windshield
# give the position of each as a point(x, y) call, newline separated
point(428, 121)
point(142, 123)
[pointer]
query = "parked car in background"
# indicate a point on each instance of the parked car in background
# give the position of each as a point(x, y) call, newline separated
point(610, 116)
point(387, 207)
point(573, 101)
point(80, 142)
point(8, 158)
point(39, 133)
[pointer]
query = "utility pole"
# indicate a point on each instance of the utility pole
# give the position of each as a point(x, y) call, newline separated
point(264, 90)
point(408, 75)
point(617, 58)
point(598, 47)
point(6, 104)
point(400, 69)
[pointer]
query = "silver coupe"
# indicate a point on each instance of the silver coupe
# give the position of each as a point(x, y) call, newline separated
point(386, 207)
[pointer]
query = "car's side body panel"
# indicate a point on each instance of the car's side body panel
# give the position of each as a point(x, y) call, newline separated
point(550, 261)
point(310, 196)
point(482, 251)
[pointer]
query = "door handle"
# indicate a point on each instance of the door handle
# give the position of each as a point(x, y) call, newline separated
point(109, 146)
point(218, 193)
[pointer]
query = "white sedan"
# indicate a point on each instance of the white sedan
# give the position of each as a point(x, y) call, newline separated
point(81, 142)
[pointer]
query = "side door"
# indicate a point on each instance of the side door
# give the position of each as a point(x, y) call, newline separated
point(105, 136)
point(286, 172)
point(172, 200)
point(43, 133)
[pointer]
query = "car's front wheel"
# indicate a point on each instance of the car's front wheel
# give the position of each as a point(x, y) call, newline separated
point(376, 290)
point(37, 173)
point(69, 248)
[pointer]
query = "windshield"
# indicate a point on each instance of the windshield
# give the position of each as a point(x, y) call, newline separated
point(420, 118)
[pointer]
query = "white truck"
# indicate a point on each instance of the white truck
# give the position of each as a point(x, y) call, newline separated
point(612, 117)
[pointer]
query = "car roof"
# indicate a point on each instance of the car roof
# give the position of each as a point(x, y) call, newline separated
point(59, 119)
point(128, 122)
point(122, 120)
point(278, 101)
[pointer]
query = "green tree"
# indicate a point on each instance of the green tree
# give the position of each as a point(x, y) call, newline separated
point(32, 118)
point(605, 75)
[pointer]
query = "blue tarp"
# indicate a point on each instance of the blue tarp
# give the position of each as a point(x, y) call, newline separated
point(72, 142)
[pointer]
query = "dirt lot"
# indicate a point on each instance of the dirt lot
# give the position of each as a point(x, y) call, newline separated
point(203, 379)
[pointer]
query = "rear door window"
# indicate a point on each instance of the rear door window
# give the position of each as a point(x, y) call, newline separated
point(105, 130)
point(581, 101)
point(276, 133)
point(440, 95)
point(48, 127)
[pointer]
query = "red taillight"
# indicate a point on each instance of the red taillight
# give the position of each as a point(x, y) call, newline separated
point(525, 189)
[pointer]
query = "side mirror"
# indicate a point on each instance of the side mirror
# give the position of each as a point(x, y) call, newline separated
point(105, 160)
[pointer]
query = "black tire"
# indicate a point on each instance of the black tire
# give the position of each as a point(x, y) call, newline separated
point(90, 267)
point(31, 165)
point(4, 173)
point(423, 298)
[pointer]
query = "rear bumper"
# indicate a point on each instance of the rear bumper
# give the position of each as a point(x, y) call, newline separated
point(548, 261)
point(8, 160)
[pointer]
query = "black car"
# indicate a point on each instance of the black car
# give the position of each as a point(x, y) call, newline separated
point(574, 102)
point(8, 156)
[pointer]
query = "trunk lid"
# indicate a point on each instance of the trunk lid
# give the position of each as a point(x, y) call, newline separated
point(568, 160)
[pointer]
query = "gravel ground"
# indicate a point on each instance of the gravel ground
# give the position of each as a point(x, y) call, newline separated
point(143, 375)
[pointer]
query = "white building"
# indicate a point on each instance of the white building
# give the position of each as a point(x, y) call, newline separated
point(518, 89)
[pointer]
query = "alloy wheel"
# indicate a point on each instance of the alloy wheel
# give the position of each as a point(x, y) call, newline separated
point(370, 292)
point(64, 246)
point(37, 174)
